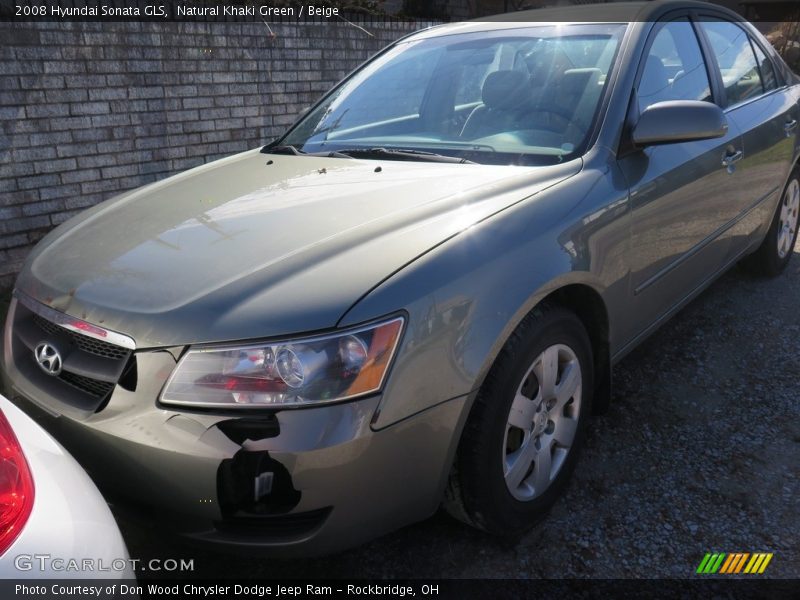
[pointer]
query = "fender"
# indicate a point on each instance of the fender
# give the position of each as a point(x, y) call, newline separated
point(492, 275)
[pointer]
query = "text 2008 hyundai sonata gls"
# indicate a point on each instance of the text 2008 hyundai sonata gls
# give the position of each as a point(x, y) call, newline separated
point(416, 295)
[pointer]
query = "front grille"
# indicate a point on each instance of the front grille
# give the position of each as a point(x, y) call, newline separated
point(47, 326)
point(84, 342)
point(91, 368)
point(99, 348)
point(95, 387)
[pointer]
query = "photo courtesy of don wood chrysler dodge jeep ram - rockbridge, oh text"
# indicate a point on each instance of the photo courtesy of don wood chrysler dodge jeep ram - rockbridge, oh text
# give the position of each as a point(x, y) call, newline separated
point(411, 299)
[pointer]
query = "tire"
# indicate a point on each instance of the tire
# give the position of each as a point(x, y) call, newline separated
point(492, 453)
point(776, 250)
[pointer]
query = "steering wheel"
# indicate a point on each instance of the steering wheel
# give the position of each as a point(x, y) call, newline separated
point(566, 117)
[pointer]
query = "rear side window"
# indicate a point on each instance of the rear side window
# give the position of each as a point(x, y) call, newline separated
point(674, 67)
point(737, 62)
point(767, 70)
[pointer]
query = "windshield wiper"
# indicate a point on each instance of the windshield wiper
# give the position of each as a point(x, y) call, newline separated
point(297, 152)
point(404, 154)
point(391, 153)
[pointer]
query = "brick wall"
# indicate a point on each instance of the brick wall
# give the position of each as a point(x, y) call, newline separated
point(88, 110)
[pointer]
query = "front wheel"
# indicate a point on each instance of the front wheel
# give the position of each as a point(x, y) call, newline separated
point(774, 253)
point(527, 424)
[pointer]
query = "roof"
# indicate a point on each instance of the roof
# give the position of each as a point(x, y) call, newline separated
point(611, 12)
point(749, 2)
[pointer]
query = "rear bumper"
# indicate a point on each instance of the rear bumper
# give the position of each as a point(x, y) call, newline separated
point(70, 532)
point(327, 479)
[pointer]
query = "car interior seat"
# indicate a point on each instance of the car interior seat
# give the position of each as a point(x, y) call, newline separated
point(577, 94)
point(504, 94)
point(655, 84)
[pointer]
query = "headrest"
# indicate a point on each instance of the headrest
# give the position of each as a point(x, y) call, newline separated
point(504, 89)
point(576, 80)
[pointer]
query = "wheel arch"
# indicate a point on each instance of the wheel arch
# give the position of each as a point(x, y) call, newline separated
point(588, 305)
point(586, 302)
point(579, 299)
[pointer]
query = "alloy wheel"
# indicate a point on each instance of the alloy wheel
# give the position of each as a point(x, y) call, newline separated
point(787, 226)
point(542, 422)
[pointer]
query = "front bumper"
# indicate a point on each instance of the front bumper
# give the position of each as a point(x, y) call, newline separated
point(309, 481)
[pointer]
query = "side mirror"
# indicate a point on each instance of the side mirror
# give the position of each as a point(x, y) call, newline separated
point(677, 121)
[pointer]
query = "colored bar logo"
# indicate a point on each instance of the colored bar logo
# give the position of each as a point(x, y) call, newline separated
point(734, 563)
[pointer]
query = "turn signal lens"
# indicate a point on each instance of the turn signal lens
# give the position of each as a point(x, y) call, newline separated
point(290, 373)
point(16, 486)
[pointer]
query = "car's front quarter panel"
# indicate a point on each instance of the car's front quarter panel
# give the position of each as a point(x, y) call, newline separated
point(462, 311)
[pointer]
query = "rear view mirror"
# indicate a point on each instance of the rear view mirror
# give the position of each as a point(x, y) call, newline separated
point(677, 121)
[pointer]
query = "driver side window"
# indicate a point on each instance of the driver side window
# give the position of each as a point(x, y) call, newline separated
point(674, 68)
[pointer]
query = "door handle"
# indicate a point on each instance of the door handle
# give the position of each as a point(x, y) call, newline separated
point(790, 126)
point(732, 158)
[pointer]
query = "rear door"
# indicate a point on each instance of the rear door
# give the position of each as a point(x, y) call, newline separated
point(680, 193)
point(762, 107)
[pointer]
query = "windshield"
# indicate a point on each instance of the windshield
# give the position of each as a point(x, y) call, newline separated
point(515, 96)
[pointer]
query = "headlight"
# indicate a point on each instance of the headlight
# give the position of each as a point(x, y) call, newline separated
point(297, 372)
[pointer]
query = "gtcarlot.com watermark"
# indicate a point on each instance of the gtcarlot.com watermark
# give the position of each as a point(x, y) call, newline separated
point(47, 563)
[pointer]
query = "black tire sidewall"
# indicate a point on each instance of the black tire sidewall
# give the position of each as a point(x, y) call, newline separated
point(486, 494)
point(774, 263)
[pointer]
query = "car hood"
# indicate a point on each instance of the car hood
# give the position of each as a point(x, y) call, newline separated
point(261, 245)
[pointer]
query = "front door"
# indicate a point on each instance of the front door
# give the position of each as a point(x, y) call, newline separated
point(679, 193)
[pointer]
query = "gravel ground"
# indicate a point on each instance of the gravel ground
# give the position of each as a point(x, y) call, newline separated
point(699, 452)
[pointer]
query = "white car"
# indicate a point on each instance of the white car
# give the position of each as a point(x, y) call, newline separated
point(53, 521)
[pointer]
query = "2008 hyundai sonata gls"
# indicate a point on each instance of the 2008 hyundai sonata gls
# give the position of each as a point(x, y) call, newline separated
point(417, 294)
